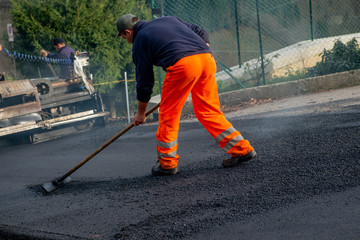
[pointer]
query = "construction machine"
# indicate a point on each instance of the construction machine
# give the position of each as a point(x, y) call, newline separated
point(39, 109)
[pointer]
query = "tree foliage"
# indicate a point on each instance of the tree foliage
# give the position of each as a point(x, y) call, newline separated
point(85, 25)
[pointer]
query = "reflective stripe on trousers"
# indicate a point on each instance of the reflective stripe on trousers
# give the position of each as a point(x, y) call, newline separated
point(167, 150)
point(195, 74)
point(228, 139)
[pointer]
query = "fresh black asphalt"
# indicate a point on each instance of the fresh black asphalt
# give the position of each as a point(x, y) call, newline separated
point(304, 183)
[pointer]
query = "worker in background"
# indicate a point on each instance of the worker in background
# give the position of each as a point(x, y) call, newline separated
point(182, 49)
point(62, 52)
point(0, 48)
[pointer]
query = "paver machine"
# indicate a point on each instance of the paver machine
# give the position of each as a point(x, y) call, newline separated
point(39, 109)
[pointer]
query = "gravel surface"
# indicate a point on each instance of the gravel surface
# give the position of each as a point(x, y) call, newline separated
point(304, 184)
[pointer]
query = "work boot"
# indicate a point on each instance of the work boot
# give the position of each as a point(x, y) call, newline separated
point(157, 170)
point(234, 161)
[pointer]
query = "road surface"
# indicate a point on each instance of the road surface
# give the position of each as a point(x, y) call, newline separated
point(304, 184)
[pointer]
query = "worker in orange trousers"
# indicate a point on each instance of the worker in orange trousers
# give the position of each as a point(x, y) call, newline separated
point(182, 49)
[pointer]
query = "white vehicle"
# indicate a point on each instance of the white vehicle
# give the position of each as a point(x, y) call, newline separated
point(39, 109)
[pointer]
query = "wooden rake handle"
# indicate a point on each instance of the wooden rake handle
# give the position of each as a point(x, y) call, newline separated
point(51, 68)
point(105, 145)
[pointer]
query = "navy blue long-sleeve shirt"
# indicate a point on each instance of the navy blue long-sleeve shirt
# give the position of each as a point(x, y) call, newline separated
point(64, 53)
point(162, 42)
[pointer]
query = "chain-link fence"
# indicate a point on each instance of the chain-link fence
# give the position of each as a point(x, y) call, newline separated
point(258, 42)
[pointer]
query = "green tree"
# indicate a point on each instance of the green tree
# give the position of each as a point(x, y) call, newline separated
point(85, 25)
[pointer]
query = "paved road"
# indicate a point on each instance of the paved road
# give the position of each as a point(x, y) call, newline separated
point(304, 184)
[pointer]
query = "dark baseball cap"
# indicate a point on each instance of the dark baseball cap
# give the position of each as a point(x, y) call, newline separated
point(127, 21)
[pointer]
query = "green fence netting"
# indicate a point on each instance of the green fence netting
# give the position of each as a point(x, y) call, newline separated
point(258, 42)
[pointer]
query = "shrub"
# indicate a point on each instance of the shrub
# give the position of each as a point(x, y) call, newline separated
point(343, 57)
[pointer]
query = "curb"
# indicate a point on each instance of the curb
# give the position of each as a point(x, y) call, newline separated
point(279, 90)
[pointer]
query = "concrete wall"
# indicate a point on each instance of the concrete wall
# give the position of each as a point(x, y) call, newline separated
point(5, 17)
point(6, 64)
point(280, 90)
point(288, 89)
point(298, 56)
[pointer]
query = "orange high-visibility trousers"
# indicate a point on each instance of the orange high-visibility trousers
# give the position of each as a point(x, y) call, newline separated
point(195, 74)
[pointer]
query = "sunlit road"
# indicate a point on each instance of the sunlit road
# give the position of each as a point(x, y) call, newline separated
point(304, 184)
